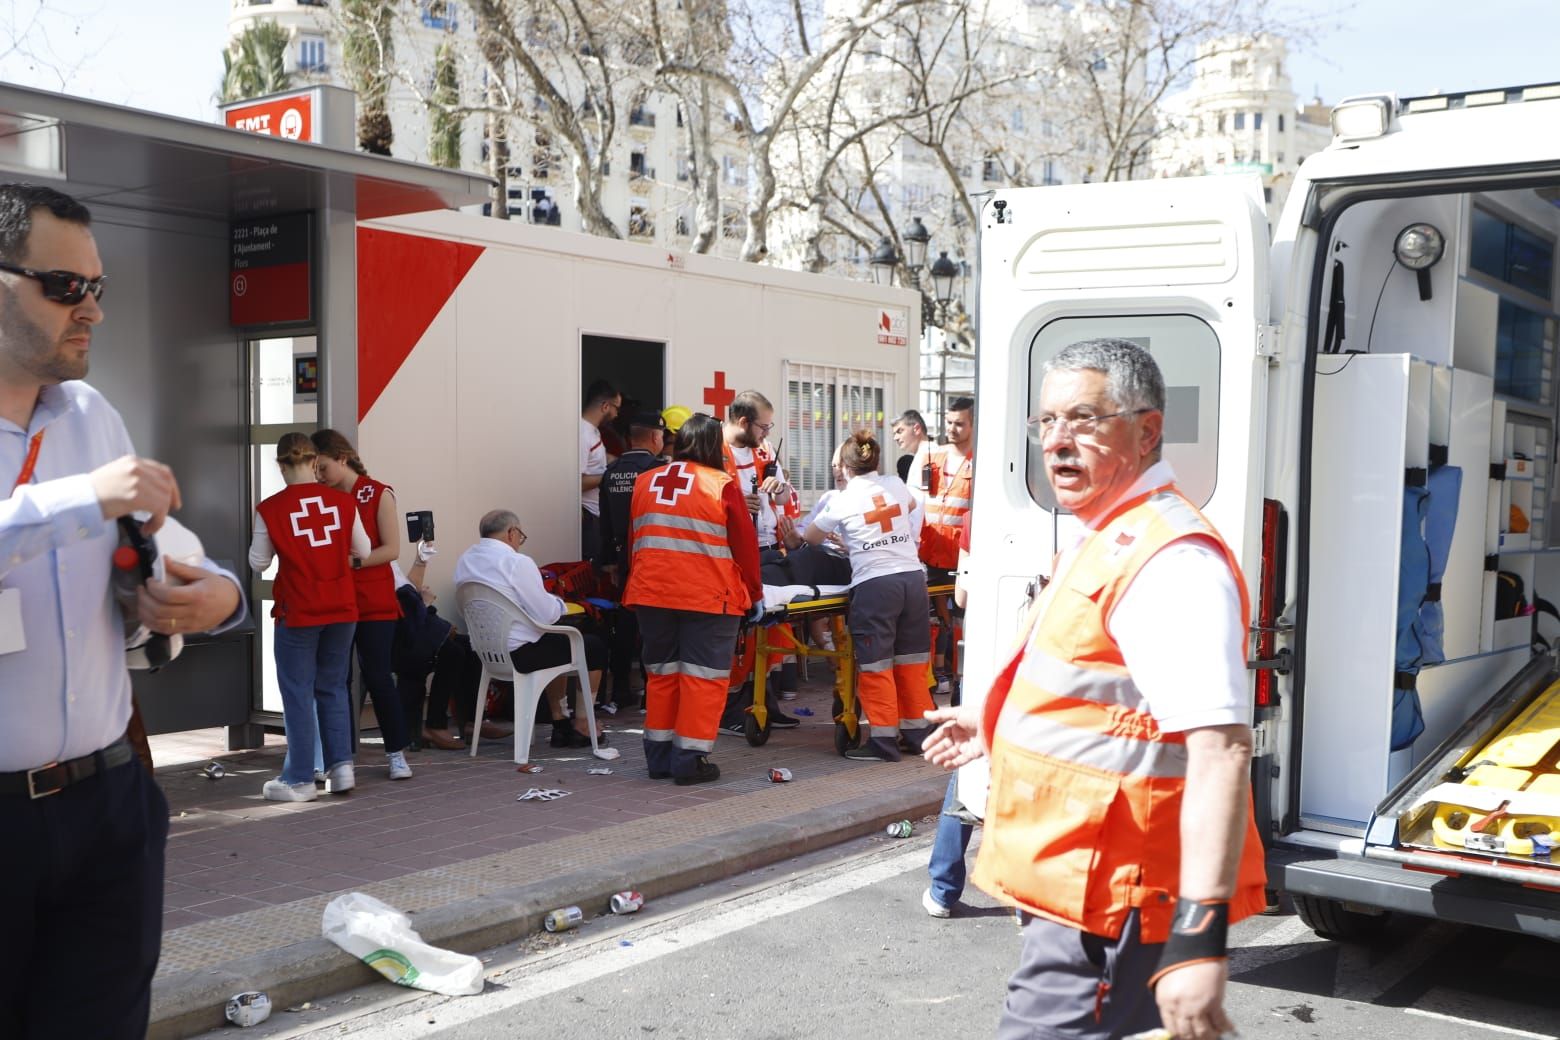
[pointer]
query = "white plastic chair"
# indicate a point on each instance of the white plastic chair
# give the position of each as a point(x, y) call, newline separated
point(489, 614)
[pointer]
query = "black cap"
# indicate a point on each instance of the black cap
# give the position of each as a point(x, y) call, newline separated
point(647, 421)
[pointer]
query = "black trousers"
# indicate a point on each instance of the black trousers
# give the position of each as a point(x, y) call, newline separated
point(457, 672)
point(624, 653)
point(81, 876)
point(375, 649)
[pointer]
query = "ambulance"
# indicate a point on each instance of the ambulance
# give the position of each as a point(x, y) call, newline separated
point(1362, 398)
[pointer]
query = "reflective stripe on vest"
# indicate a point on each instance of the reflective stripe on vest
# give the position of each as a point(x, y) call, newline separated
point(683, 523)
point(1083, 818)
point(687, 545)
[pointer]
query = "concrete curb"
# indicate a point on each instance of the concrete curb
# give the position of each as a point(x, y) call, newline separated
point(187, 1004)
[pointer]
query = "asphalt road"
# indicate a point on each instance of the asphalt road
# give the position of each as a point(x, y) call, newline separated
point(837, 945)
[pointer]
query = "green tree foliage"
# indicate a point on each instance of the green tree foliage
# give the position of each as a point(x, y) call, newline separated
point(255, 63)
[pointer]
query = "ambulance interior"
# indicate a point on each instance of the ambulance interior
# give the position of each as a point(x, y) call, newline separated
point(1432, 443)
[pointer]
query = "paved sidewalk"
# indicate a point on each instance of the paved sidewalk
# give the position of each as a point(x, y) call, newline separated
point(247, 879)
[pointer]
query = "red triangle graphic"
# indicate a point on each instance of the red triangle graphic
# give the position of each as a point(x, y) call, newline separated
point(403, 283)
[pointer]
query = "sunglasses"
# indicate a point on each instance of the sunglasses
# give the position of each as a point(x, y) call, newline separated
point(61, 286)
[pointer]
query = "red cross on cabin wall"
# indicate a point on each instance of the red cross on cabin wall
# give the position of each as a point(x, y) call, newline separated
point(671, 483)
point(719, 396)
point(883, 515)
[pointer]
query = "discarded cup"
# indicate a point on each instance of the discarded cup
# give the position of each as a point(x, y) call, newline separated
point(780, 776)
point(215, 771)
point(248, 1009)
point(563, 919)
point(900, 829)
point(627, 902)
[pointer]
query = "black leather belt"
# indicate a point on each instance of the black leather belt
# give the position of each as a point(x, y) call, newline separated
point(56, 776)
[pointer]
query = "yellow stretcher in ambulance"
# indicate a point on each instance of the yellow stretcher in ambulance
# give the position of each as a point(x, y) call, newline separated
point(1364, 402)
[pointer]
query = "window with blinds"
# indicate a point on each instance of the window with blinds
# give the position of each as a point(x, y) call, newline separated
point(824, 404)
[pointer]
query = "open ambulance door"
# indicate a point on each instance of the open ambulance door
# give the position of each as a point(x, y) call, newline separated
point(1179, 266)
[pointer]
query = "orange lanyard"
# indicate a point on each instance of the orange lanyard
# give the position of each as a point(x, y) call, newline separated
point(32, 461)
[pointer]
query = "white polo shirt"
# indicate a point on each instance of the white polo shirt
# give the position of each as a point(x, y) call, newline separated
point(880, 523)
point(593, 463)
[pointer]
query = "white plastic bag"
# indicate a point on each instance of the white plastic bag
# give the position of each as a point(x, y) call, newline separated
point(384, 939)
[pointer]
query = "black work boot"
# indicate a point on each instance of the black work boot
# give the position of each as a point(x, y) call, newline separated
point(704, 772)
point(875, 749)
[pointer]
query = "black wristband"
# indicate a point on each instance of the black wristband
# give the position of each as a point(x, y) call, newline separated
point(1198, 932)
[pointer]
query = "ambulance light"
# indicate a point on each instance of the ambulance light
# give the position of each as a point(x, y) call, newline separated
point(1361, 118)
point(1417, 248)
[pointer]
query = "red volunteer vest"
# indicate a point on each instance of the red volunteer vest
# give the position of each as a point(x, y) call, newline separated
point(311, 527)
point(375, 585)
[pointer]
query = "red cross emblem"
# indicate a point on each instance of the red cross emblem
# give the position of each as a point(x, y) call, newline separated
point(365, 494)
point(883, 515)
point(671, 483)
point(719, 396)
point(316, 523)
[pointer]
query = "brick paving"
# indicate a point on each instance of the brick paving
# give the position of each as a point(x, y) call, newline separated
point(245, 875)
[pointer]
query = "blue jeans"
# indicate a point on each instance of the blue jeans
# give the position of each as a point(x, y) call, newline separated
point(946, 868)
point(311, 669)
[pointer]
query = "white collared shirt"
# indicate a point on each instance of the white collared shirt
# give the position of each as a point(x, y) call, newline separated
point(493, 563)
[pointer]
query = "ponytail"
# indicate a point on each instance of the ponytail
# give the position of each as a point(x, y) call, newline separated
point(333, 445)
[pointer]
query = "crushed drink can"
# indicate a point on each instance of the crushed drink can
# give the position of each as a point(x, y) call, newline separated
point(900, 829)
point(627, 902)
point(248, 1009)
point(215, 771)
point(564, 919)
point(780, 776)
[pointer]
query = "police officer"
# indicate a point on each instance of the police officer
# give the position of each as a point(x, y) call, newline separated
point(694, 574)
point(646, 435)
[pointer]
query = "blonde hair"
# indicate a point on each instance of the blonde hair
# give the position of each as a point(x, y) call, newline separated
point(295, 450)
point(861, 454)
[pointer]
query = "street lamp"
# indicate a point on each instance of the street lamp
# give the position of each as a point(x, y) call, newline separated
point(883, 261)
point(916, 237)
point(944, 272)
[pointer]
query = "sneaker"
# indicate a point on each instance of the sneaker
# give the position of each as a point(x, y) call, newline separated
point(780, 720)
point(279, 790)
point(943, 688)
point(607, 708)
point(933, 907)
point(737, 725)
point(399, 770)
point(703, 773)
point(339, 778)
point(319, 778)
point(788, 695)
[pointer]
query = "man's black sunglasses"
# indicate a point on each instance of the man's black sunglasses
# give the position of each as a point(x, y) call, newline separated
point(62, 286)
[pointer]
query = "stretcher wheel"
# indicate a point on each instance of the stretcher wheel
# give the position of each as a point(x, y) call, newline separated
point(755, 736)
point(843, 741)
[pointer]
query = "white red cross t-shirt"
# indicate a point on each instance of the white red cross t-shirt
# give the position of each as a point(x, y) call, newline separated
point(593, 463)
point(880, 522)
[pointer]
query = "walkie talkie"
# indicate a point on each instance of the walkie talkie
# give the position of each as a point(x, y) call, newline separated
point(134, 564)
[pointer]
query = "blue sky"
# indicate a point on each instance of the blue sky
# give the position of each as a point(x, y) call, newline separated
point(165, 54)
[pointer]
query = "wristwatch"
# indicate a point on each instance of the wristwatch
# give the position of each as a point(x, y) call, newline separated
point(357, 562)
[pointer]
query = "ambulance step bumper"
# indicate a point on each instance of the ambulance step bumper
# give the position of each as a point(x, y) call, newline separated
point(1462, 900)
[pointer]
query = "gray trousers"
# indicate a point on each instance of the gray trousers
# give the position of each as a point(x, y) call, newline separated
point(1071, 985)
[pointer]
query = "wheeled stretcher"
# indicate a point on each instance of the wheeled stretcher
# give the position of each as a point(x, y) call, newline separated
point(785, 605)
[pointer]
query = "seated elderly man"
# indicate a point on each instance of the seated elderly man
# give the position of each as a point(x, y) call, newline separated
point(496, 561)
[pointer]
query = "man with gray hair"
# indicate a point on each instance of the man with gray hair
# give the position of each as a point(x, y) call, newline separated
point(1119, 820)
point(497, 562)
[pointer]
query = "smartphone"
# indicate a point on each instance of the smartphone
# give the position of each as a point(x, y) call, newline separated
point(419, 526)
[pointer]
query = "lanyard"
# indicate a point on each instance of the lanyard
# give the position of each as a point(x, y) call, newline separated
point(31, 462)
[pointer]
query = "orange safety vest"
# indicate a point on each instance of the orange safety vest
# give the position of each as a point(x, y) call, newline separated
point(791, 507)
point(948, 503)
point(1083, 820)
point(680, 548)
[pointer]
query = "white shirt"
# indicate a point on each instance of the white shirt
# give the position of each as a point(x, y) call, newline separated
point(880, 523)
point(495, 564)
point(1180, 629)
point(593, 463)
point(748, 479)
point(68, 693)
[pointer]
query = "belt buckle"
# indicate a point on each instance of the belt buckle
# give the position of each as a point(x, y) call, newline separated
point(32, 784)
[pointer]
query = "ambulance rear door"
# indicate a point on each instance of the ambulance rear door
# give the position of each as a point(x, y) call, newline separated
point(1179, 266)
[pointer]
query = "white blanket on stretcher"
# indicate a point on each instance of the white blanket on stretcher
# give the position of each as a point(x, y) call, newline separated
point(777, 596)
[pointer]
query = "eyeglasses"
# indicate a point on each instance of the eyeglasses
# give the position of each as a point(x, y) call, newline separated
point(520, 533)
point(764, 426)
point(62, 286)
point(1041, 427)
